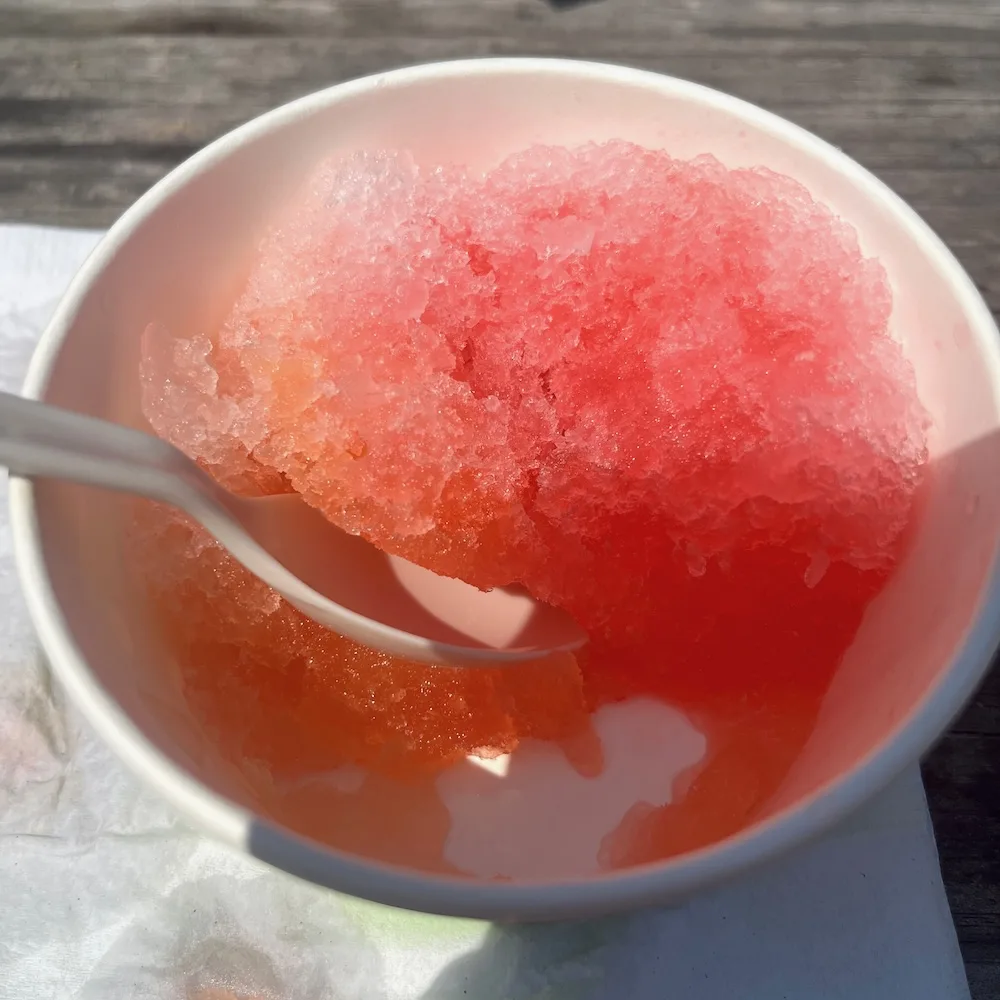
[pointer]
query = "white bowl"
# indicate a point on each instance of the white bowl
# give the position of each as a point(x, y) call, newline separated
point(178, 255)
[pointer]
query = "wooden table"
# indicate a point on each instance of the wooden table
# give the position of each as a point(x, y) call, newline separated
point(99, 98)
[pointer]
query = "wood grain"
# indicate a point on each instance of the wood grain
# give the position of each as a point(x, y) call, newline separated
point(99, 98)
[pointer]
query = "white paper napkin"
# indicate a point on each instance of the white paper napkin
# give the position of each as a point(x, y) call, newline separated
point(106, 895)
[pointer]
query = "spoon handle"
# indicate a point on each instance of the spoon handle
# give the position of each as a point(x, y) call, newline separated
point(38, 440)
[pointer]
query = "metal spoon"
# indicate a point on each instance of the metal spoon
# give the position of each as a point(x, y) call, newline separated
point(337, 579)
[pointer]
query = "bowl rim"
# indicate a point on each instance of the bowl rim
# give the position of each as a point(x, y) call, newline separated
point(456, 895)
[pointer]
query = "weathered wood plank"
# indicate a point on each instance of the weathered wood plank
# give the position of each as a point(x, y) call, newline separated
point(153, 100)
point(748, 18)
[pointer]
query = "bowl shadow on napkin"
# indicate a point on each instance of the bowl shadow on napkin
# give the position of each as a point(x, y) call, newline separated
point(515, 962)
point(858, 913)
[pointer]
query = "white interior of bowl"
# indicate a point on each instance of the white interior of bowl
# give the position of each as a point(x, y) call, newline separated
point(180, 255)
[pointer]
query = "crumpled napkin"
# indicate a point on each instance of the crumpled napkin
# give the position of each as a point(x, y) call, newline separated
point(105, 894)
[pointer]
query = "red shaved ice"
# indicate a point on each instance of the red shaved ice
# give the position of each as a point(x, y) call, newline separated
point(659, 393)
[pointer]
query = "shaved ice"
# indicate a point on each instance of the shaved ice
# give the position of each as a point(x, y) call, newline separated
point(661, 394)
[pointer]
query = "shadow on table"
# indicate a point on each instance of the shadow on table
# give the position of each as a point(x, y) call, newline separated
point(569, 4)
point(521, 961)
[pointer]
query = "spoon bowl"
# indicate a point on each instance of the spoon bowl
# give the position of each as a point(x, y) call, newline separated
point(339, 580)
